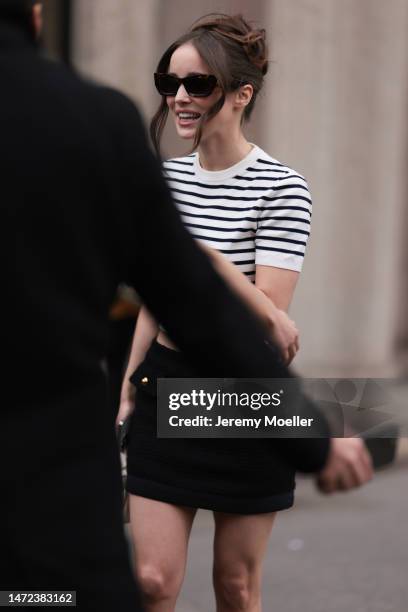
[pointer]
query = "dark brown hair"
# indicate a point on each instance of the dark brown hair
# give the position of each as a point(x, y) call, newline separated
point(235, 53)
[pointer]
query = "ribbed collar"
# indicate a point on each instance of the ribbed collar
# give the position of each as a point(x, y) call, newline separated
point(215, 176)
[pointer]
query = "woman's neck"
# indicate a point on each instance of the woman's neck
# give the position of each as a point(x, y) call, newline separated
point(219, 154)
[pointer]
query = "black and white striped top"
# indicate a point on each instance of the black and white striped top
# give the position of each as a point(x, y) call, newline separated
point(255, 212)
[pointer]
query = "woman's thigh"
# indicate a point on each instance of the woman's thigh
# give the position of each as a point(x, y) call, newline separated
point(160, 534)
point(240, 541)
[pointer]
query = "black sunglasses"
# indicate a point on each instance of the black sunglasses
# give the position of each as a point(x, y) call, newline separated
point(197, 85)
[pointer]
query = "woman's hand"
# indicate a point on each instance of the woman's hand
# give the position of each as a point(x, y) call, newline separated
point(126, 408)
point(349, 465)
point(284, 334)
point(145, 332)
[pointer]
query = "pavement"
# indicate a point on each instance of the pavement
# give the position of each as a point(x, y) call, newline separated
point(342, 553)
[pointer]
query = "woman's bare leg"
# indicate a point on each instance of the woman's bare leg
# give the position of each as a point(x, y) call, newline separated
point(160, 534)
point(240, 544)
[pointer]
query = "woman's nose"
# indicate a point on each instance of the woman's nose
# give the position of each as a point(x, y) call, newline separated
point(182, 94)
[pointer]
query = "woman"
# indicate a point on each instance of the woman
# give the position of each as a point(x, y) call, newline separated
point(249, 209)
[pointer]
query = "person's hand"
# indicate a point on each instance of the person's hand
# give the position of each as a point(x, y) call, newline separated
point(348, 466)
point(126, 407)
point(285, 334)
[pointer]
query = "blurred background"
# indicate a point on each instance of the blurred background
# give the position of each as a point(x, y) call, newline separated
point(334, 107)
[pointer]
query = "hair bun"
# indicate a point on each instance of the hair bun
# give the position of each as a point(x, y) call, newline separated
point(255, 47)
point(238, 29)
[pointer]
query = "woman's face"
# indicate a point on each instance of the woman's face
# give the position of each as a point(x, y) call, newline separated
point(184, 61)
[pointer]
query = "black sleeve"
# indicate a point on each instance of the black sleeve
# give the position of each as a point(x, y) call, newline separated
point(178, 284)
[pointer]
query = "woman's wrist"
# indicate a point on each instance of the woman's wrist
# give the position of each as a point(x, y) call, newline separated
point(128, 393)
point(270, 310)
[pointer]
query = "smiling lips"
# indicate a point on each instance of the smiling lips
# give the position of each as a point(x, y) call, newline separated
point(187, 117)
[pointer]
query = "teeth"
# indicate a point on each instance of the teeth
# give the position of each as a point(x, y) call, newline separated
point(188, 116)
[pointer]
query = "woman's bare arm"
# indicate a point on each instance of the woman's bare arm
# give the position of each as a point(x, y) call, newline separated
point(281, 329)
point(278, 284)
point(145, 331)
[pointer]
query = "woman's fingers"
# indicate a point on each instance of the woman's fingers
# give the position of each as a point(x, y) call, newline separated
point(126, 408)
point(292, 353)
point(293, 349)
point(289, 353)
point(285, 356)
point(286, 335)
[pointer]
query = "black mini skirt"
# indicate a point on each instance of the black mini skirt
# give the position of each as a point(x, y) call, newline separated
point(241, 476)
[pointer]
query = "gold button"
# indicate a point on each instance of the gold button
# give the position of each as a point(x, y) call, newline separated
point(144, 380)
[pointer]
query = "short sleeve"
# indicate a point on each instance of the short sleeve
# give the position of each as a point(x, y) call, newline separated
point(284, 224)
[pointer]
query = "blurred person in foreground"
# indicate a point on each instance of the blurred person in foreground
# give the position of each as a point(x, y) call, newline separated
point(84, 207)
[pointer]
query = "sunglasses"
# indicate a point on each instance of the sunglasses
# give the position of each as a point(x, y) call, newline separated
point(197, 85)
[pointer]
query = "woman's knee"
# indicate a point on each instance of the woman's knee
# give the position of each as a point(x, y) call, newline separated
point(238, 590)
point(158, 584)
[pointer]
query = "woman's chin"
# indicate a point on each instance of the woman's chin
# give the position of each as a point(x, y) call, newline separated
point(185, 133)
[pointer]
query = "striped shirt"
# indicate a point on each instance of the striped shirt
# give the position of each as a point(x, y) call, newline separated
point(256, 212)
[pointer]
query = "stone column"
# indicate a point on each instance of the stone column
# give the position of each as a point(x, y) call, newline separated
point(402, 331)
point(338, 113)
point(116, 42)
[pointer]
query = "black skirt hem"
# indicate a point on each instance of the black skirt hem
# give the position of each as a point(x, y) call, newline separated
point(208, 501)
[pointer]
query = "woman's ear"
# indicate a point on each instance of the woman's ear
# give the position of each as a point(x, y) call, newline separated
point(244, 95)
